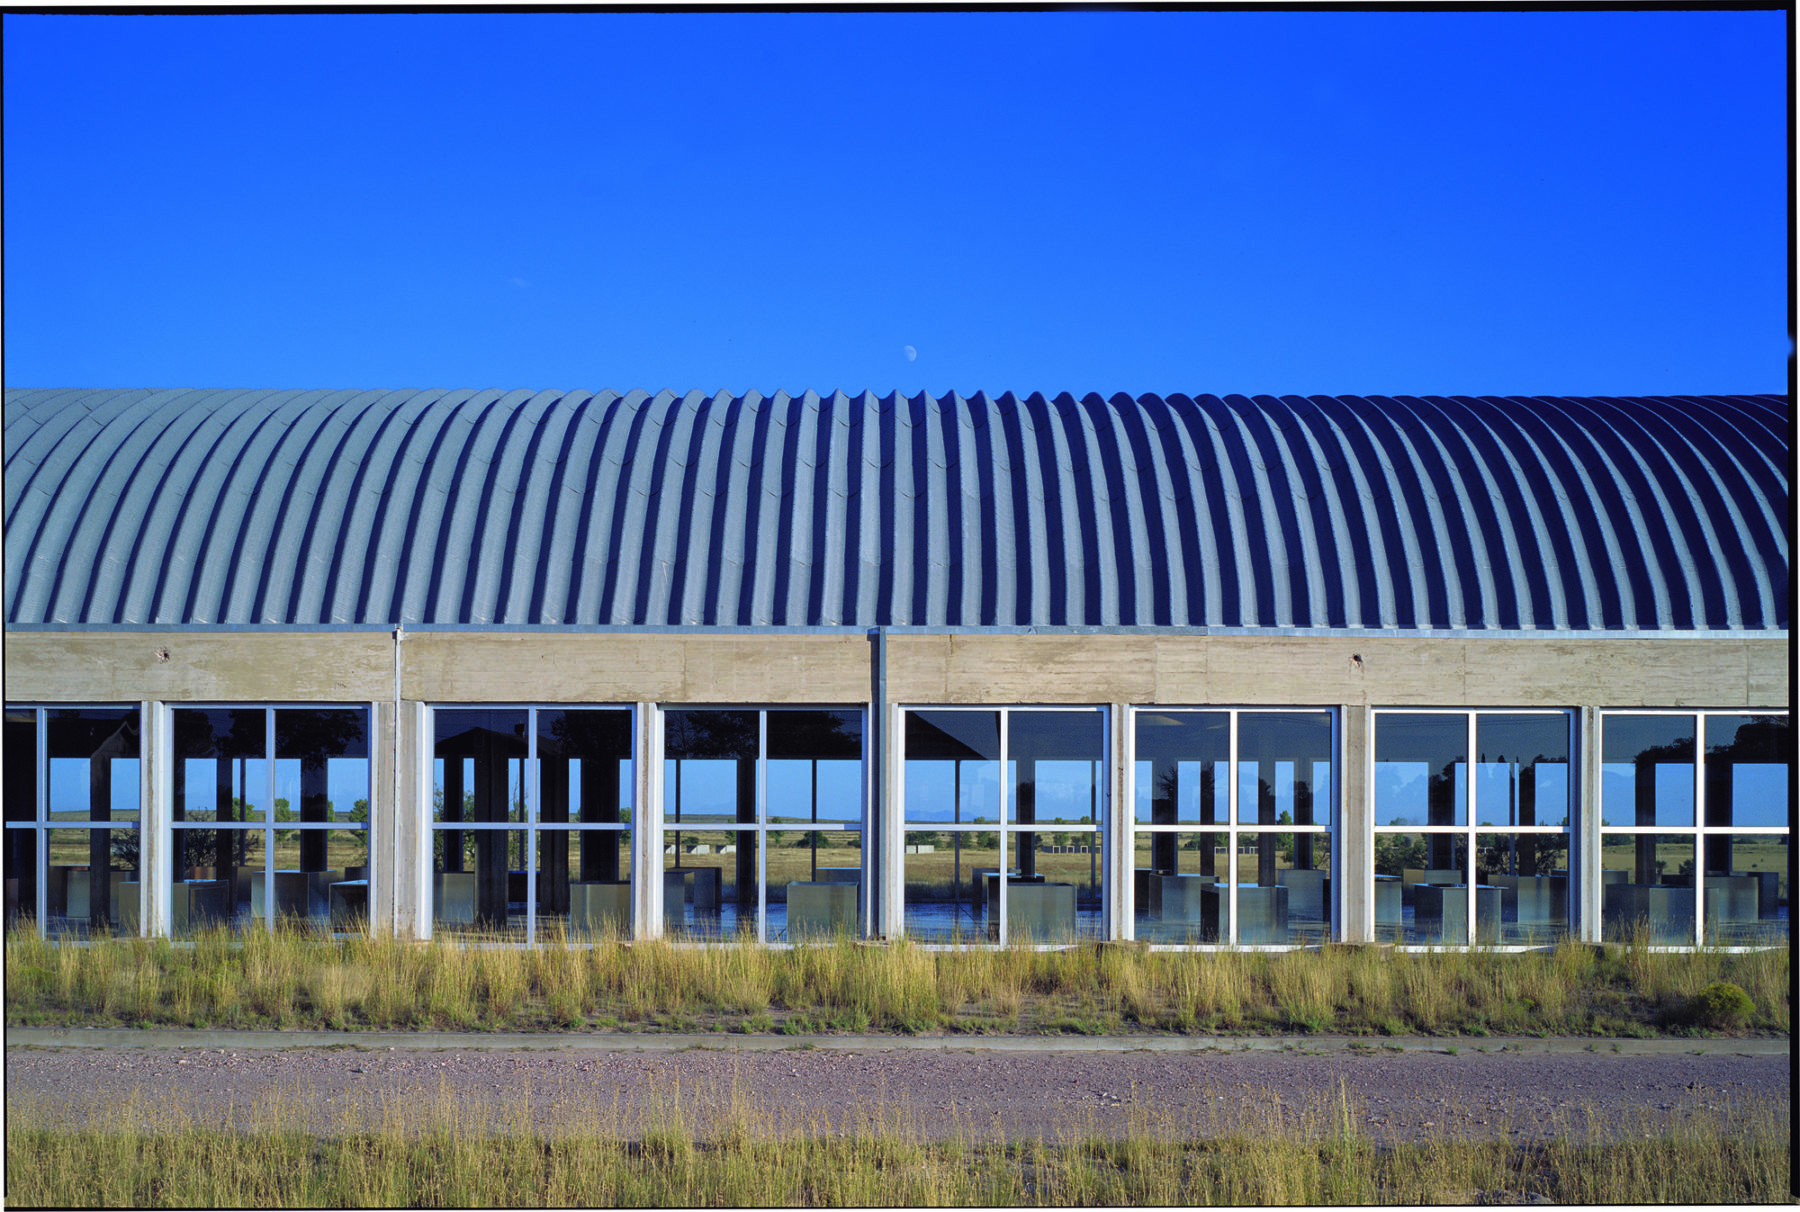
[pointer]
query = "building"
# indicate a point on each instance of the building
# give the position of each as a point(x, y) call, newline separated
point(1198, 671)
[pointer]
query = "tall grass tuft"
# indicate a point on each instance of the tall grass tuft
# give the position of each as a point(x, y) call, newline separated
point(292, 977)
point(441, 1151)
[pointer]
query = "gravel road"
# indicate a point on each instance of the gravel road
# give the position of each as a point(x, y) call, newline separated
point(939, 1093)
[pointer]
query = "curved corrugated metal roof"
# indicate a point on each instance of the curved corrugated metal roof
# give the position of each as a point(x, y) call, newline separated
point(475, 508)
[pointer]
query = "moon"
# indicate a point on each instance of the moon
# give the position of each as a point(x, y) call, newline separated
point(912, 355)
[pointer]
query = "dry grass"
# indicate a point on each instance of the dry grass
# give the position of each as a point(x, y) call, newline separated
point(445, 1152)
point(292, 978)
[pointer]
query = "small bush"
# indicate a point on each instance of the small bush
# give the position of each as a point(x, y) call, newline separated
point(1720, 1004)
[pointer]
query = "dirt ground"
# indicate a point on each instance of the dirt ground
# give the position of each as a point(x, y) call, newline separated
point(969, 1093)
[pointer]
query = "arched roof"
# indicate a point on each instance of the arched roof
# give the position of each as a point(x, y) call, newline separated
point(495, 508)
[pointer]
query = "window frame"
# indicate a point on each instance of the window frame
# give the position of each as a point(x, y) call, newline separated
point(1004, 826)
point(1699, 831)
point(1471, 829)
point(1231, 828)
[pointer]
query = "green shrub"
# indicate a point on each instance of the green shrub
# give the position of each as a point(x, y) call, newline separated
point(1721, 1004)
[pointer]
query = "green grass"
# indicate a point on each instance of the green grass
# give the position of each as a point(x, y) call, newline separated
point(443, 1152)
point(293, 979)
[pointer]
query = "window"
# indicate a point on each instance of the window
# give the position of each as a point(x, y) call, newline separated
point(1668, 808)
point(763, 824)
point(270, 818)
point(964, 825)
point(1232, 816)
point(1460, 862)
point(531, 822)
point(73, 819)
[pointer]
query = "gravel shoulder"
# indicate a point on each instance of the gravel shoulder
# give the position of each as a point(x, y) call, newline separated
point(955, 1089)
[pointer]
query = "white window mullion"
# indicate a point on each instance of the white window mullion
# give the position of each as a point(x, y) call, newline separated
point(1470, 934)
point(1699, 829)
point(1006, 811)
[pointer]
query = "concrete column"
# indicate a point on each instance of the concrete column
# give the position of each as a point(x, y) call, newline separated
point(1115, 826)
point(156, 791)
point(400, 822)
point(1354, 855)
point(1586, 887)
point(891, 917)
point(647, 823)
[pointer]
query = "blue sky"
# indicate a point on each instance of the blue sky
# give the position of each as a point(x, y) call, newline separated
point(1464, 202)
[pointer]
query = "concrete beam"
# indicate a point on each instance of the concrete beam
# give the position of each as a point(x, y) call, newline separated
point(226, 667)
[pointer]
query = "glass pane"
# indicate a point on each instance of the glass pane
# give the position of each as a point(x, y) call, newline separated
point(1284, 762)
point(321, 767)
point(214, 879)
point(1648, 883)
point(20, 863)
point(815, 884)
point(1420, 765)
point(945, 898)
point(709, 882)
point(1647, 770)
point(723, 735)
point(83, 873)
point(815, 766)
point(1746, 890)
point(1531, 870)
point(480, 766)
point(478, 883)
point(1410, 871)
point(1178, 899)
point(1300, 865)
point(93, 764)
point(1059, 858)
point(220, 772)
point(584, 883)
point(18, 769)
point(1747, 760)
point(959, 735)
point(1522, 770)
point(584, 766)
point(1056, 761)
point(952, 766)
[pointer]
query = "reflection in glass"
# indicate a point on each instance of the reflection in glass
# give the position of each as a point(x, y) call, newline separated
point(709, 778)
point(213, 886)
point(1411, 904)
point(1647, 771)
point(946, 889)
point(952, 766)
point(1647, 884)
point(815, 766)
point(1182, 761)
point(1532, 872)
point(1183, 903)
point(815, 884)
point(709, 883)
point(583, 883)
point(1747, 761)
point(18, 768)
point(1746, 889)
point(480, 778)
point(479, 882)
point(1522, 770)
point(584, 774)
point(83, 874)
point(1420, 762)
